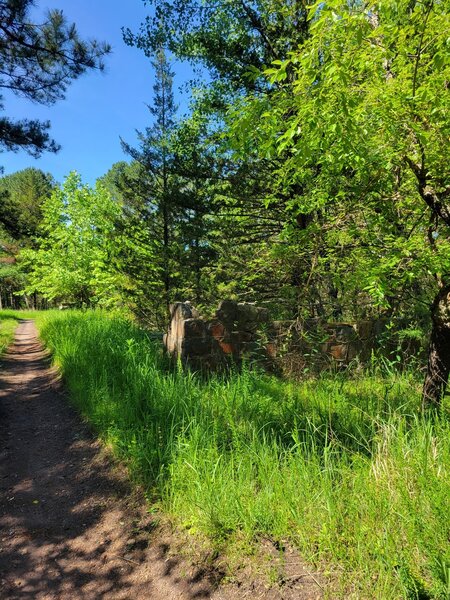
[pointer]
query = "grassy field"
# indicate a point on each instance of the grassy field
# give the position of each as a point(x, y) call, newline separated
point(345, 470)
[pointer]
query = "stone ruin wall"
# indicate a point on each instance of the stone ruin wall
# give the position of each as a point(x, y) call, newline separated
point(240, 330)
point(233, 332)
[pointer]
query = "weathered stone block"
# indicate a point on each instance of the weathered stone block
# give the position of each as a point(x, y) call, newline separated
point(227, 311)
point(194, 328)
point(217, 330)
point(235, 332)
point(248, 316)
point(197, 346)
point(338, 351)
point(246, 336)
point(271, 350)
point(342, 332)
point(183, 310)
point(227, 347)
point(211, 344)
point(365, 330)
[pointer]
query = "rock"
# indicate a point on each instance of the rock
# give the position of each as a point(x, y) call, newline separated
point(236, 331)
point(227, 311)
point(194, 328)
point(183, 310)
point(338, 351)
point(195, 346)
point(217, 330)
point(211, 344)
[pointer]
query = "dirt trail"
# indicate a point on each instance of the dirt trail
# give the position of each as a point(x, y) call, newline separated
point(66, 529)
point(70, 526)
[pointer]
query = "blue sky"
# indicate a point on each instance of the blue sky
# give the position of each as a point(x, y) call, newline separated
point(99, 107)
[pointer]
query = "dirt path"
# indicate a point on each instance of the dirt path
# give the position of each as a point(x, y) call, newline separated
point(66, 528)
point(70, 526)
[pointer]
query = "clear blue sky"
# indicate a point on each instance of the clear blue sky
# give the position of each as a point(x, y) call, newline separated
point(99, 107)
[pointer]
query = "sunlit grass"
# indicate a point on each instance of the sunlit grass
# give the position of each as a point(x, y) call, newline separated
point(344, 469)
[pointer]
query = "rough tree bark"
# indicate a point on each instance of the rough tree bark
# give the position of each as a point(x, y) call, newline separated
point(439, 351)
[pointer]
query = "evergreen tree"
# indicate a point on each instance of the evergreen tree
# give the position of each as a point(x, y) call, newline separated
point(21, 197)
point(151, 209)
point(230, 38)
point(233, 41)
point(37, 62)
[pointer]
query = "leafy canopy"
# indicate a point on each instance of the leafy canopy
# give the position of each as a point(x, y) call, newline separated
point(360, 115)
point(72, 261)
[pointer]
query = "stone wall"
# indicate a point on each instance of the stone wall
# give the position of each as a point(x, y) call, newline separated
point(244, 330)
point(314, 346)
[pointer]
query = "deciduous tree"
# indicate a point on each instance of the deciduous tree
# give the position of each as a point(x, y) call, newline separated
point(361, 115)
point(72, 262)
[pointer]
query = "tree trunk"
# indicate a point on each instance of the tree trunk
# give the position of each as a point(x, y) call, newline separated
point(439, 351)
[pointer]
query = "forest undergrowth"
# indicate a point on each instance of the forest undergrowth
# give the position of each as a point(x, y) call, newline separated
point(344, 468)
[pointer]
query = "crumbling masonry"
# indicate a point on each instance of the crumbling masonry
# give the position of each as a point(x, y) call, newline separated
point(235, 331)
point(244, 330)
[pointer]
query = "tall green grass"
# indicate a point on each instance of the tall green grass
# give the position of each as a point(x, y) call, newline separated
point(344, 469)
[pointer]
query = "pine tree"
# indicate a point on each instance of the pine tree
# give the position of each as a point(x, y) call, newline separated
point(150, 201)
point(38, 61)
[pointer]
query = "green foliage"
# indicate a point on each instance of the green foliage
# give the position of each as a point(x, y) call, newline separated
point(340, 468)
point(229, 38)
point(165, 243)
point(12, 280)
point(233, 42)
point(21, 198)
point(335, 196)
point(151, 203)
point(71, 263)
point(360, 116)
point(9, 319)
point(8, 324)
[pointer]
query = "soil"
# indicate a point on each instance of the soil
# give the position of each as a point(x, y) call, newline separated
point(71, 525)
